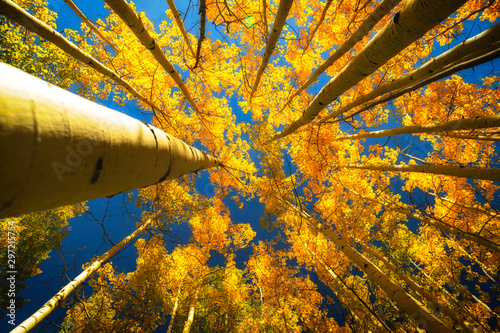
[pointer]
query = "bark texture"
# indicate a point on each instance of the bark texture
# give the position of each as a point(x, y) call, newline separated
point(63, 149)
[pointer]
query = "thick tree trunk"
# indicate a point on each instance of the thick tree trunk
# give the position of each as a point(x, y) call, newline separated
point(378, 13)
point(78, 12)
point(30, 323)
point(443, 65)
point(279, 22)
point(134, 22)
point(408, 25)
point(449, 170)
point(180, 25)
point(15, 13)
point(452, 125)
point(58, 148)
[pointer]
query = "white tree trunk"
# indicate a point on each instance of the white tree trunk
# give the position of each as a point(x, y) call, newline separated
point(279, 22)
point(452, 125)
point(408, 25)
point(30, 323)
point(15, 13)
point(58, 148)
point(378, 13)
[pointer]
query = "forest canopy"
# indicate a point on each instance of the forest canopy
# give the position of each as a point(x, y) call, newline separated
point(359, 138)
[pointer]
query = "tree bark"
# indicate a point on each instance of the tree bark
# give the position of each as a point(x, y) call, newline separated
point(449, 170)
point(406, 302)
point(379, 323)
point(279, 22)
point(408, 25)
point(174, 310)
point(192, 308)
point(180, 25)
point(60, 149)
point(436, 223)
point(444, 65)
point(30, 323)
point(134, 22)
point(428, 296)
point(78, 12)
point(15, 13)
point(452, 125)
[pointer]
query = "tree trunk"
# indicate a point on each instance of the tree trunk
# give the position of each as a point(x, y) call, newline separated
point(452, 125)
point(90, 24)
point(378, 13)
point(449, 170)
point(174, 310)
point(428, 296)
point(60, 149)
point(316, 27)
point(192, 308)
point(180, 25)
point(30, 323)
point(431, 69)
point(15, 13)
point(470, 137)
point(437, 224)
point(408, 25)
point(279, 22)
point(478, 209)
point(379, 323)
point(134, 22)
point(406, 302)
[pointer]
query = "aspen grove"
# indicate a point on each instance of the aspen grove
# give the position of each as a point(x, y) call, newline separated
point(359, 138)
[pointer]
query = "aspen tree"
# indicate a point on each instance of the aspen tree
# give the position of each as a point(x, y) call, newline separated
point(381, 325)
point(78, 12)
point(406, 302)
point(436, 223)
point(279, 22)
point(29, 324)
point(178, 21)
point(316, 27)
point(174, 309)
point(478, 209)
point(441, 66)
point(478, 58)
point(448, 170)
point(134, 22)
point(425, 294)
point(15, 13)
point(408, 25)
point(457, 125)
point(471, 136)
point(63, 149)
point(378, 13)
point(192, 308)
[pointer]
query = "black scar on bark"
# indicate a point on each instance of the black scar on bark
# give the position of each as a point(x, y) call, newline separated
point(97, 170)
